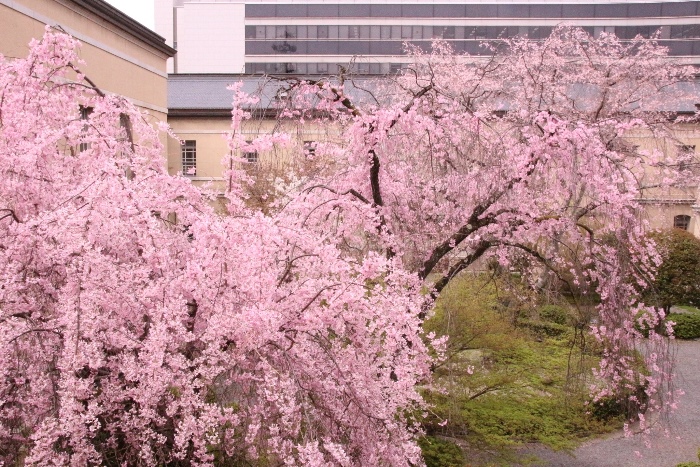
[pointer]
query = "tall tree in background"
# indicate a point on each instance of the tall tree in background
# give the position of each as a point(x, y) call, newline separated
point(128, 339)
point(528, 157)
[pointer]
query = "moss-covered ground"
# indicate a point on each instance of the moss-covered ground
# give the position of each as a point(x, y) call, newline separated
point(516, 371)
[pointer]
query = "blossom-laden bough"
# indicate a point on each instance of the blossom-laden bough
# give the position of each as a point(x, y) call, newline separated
point(140, 327)
point(539, 156)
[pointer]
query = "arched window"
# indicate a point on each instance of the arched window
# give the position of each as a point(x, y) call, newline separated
point(681, 221)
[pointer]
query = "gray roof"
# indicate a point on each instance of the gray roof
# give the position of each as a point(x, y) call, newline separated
point(210, 91)
point(207, 94)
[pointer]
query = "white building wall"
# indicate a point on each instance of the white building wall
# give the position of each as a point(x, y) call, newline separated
point(211, 37)
point(163, 22)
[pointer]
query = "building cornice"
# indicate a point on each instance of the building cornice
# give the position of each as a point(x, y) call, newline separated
point(115, 17)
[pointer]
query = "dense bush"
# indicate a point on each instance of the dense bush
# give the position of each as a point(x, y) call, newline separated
point(438, 452)
point(687, 325)
point(678, 278)
point(544, 328)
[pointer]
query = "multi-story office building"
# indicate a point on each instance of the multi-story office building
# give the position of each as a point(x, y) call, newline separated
point(314, 36)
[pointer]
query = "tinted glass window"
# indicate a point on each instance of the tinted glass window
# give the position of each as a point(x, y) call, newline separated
point(322, 47)
point(259, 11)
point(321, 10)
point(449, 11)
point(644, 9)
point(481, 11)
point(545, 11)
point(289, 47)
point(386, 32)
point(494, 32)
point(416, 11)
point(385, 48)
point(250, 32)
point(678, 47)
point(513, 11)
point(612, 11)
point(540, 32)
point(385, 10)
point(678, 8)
point(577, 11)
point(424, 45)
point(471, 47)
point(258, 47)
point(296, 10)
point(353, 48)
point(479, 32)
point(355, 11)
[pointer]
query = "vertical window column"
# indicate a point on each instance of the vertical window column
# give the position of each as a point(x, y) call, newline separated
point(189, 158)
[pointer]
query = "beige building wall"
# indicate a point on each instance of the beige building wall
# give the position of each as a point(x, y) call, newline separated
point(660, 207)
point(213, 154)
point(663, 207)
point(122, 60)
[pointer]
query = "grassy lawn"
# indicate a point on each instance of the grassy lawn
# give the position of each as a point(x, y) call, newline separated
point(516, 372)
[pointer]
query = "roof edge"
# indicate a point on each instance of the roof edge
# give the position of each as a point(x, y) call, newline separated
point(114, 16)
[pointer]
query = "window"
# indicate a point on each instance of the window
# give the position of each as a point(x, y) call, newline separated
point(84, 116)
point(681, 221)
point(250, 155)
point(189, 158)
point(686, 156)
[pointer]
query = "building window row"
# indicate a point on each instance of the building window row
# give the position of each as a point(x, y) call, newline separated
point(263, 32)
point(571, 10)
point(357, 67)
point(342, 47)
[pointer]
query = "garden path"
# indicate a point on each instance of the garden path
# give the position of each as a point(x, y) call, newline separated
point(618, 451)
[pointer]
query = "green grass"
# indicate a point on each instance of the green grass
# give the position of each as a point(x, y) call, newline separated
point(529, 372)
point(689, 309)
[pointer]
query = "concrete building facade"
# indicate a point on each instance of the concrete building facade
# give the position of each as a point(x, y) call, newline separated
point(315, 36)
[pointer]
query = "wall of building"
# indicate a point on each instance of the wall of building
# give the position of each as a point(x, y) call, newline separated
point(214, 154)
point(210, 37)
point(116, 61)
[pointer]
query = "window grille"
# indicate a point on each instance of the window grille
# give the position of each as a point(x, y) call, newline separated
point(189, 158)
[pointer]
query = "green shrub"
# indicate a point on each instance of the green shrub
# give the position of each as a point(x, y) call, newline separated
point(439, 452)
point(678, 278)
point(688, 464)
point(555, 314)
point(543, 328)
point(687, 325)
